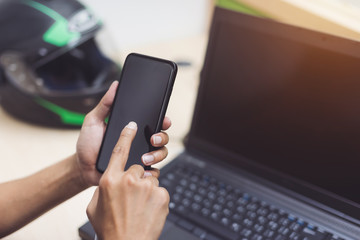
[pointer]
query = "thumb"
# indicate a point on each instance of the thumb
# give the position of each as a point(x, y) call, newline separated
point(102, 110)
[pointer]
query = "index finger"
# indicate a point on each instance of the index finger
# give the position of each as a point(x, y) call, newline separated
point(121, 150)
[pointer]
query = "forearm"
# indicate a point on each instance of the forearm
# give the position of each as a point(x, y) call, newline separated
point(23, 200)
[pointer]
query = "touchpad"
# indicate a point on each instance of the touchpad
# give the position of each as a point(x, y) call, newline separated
point(173, 232)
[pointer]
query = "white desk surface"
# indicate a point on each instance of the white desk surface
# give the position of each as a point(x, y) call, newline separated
point(25, 148)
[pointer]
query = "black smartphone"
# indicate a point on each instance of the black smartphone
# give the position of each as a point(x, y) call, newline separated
point(142, 96)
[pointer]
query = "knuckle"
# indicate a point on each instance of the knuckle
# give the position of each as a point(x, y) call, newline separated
point(136, 168)
point(162, 153)
point(129, 179)
point(147, 186)
point(164, 197)
point(107, 182)
point(155, 172)
point(125, 133)
point(119, 149)
point(156, 181)
point(89, 118)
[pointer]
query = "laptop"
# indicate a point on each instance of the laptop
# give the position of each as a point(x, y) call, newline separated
point(274, 147)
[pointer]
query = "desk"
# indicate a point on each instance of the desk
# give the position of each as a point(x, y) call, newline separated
point(25, 148)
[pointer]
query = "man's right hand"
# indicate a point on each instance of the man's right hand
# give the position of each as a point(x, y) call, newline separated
point(128, 204)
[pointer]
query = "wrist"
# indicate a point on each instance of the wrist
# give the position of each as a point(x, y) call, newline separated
point(76, 174)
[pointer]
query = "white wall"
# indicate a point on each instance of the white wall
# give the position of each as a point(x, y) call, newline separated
point(135, 22)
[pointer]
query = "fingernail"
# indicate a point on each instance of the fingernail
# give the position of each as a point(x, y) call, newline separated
point(132, 125)
point(147, 159)
point(157, 140)
point(147, 174)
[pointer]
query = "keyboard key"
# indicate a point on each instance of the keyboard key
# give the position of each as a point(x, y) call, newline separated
point(235, 227)
point(230, 204)
point(217, 207)
point(213, 188)
point(262, 211)
point(240, 209)
point(222, 192)
point(258, 228)
point(170, 176)
point(180, 209)
point(294, 236)
point(189, 193)
point(176, 197)
point(198, 198)
point(213, 226)
point(273, 225)
point(237, 217)
point(166, 182)
point(214, 216)
point(202, 191)
point(227, 212)
point(251, 215)
point(284, 230)
point(211, 195)
point(185, 202)
point(257, 237)
point(184, 182)
point(199, 232)
point(313, 234)
point(211, 237)
point(248, 223)
point(205, 212)
point(193, 187)
point(225, 221)
point(295, 227)
point(246, 232)
point(262, 220)
point(221, 200)
point(172, 205)
point(280, 237)
point(273, 216)
point(207, 203)
point(179, 189)
point(269, 233)
point(252, 207)
point(242, 201)
point(195, 207)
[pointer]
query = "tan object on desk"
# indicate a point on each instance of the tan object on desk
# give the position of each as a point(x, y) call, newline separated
point(287, 12)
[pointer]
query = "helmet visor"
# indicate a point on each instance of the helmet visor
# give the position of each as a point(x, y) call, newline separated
point(82, 67)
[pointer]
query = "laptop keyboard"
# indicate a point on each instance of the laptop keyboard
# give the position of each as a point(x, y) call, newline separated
point(214, 210)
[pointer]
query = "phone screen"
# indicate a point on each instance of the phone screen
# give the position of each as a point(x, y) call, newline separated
point(142, 96)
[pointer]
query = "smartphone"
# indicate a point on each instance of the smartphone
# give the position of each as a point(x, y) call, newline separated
point(142, 96)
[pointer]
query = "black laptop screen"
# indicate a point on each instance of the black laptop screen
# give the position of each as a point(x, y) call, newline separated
point(284, 98)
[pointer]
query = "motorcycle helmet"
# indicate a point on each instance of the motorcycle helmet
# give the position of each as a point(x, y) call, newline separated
point(52, 68)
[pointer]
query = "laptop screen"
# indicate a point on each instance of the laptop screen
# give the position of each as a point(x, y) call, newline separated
point(284, 98)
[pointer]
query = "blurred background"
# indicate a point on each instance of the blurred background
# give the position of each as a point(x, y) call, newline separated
point(176, 30)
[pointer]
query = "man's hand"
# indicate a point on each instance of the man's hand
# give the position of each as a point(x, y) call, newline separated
point(128, 205)
point(92, 133)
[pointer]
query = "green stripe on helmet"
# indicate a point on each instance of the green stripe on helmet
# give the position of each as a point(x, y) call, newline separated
point(66, 116)
point(58, 34)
